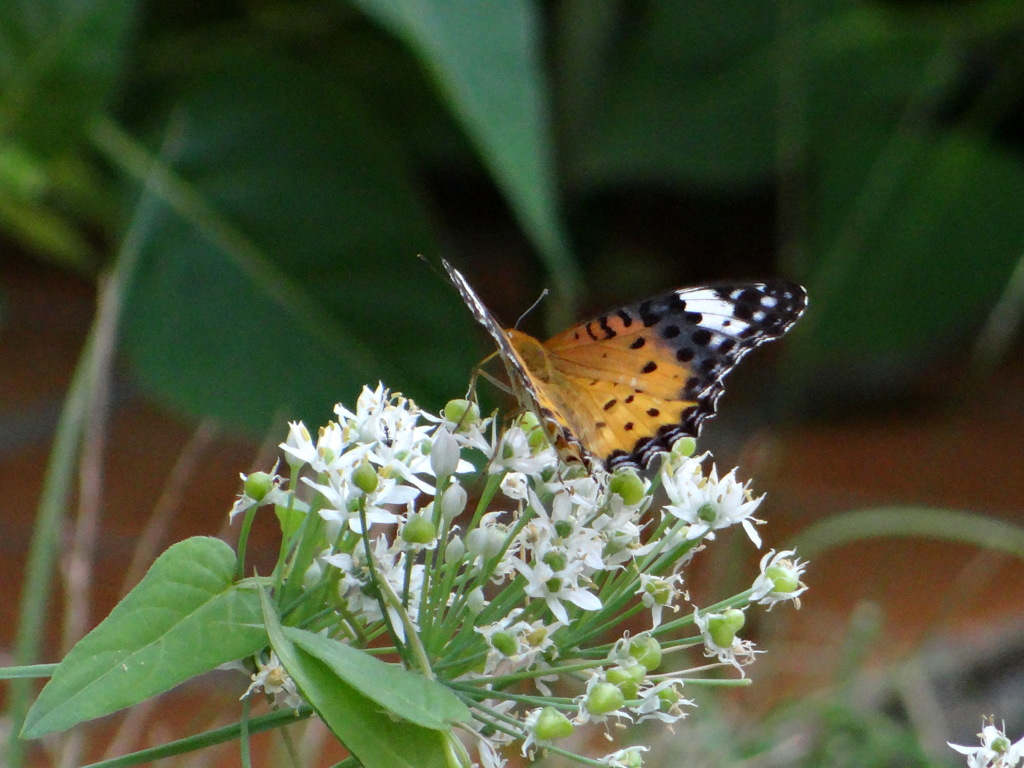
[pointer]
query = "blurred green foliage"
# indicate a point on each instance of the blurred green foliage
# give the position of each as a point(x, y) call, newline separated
point(287, 158)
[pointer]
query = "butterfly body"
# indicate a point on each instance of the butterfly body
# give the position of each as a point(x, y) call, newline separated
point(625, 385)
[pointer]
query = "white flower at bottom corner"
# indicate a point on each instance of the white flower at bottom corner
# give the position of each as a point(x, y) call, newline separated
point(995, 751)
point(275, 681)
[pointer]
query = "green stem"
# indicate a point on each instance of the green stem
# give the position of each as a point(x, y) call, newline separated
point(208, 739)
point(243, 541)
point(412, 638)
point(60, 469)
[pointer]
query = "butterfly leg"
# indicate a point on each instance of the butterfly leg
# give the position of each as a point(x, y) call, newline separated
point(479, 372)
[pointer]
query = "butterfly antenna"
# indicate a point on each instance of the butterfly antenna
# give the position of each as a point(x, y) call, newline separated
point(543, 295)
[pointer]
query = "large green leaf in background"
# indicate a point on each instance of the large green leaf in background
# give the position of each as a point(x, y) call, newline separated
point(918, 273)
point(486, 59)
point(297, 279)
point(914, 224)
point(690, 97)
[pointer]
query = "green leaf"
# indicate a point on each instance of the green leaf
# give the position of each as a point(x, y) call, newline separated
point(690, 95)
point(59, 66)
point(486, 59)
point(283, 276)
point(367, 731)
point(915, 246)
point(403, 693)
point(185, 617)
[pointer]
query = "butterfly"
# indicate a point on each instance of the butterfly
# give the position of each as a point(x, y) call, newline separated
point(622, 387)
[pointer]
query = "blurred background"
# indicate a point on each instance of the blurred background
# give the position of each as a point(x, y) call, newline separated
point(210, 214)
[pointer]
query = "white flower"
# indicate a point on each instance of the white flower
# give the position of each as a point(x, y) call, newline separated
point(650, 706)
point(630, 757)
point(738, 653)
point(299, 444)
point(513, 452)
point(324, 456)
point(528, 640)
point(995, 751)
point(583, 713)
point(554, 587)
point(515, 486)
point(444, 454)
point(275, 681)
point(342, 496)
point(707, 503)
point(658, 593)
point(779, 579)
point(389, 565)
point(489, 755)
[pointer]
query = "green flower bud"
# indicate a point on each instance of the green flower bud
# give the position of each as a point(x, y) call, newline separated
point(783, 579)
point(418, 530)
point(529, 421)
point(537, 440)
point(627, 679)
point(552, 724)
point(647, 652)
point(604, 698)
point(684, 446)
point(504, 643)
point(723, 628)
point(660, 590)
point(258, 485)
point(669, 697)
point(563, 528)
point(708, 513)
point(464, 413)
point(365, 477)
point(628, 485)
point(554, 559)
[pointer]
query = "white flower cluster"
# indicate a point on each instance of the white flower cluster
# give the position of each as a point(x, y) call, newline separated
point(996, 750)
point(539, 577)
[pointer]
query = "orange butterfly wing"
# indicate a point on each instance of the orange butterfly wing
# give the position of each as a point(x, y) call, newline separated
point(624, 386)
point(642, 376)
